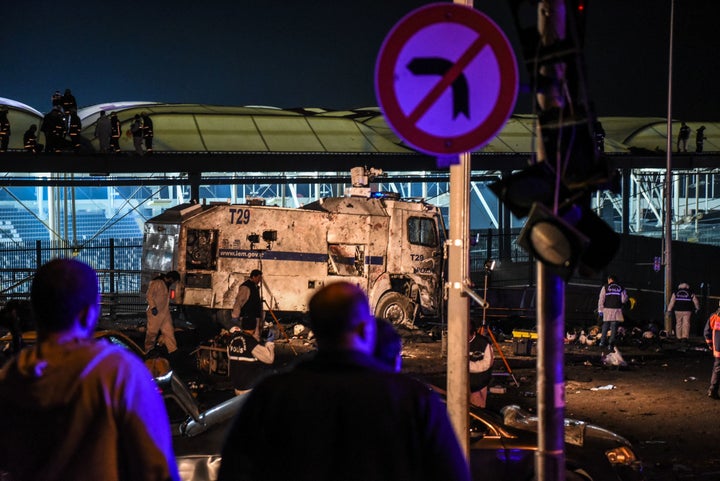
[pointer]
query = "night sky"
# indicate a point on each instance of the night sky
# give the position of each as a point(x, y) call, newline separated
point(321, 53)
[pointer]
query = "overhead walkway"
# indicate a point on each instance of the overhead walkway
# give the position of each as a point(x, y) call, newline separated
point(289, 157)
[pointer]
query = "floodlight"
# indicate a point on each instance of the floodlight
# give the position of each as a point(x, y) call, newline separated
point(269, 235)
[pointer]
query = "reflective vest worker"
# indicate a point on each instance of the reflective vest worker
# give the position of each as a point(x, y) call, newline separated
point(115, 132)
point(610, 302)
point(712, 337)
point(30, 140)
point(683, 303)
point(147, 130)
point(74, 130)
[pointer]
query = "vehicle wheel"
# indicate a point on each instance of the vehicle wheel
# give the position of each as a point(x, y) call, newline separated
point(396, 308)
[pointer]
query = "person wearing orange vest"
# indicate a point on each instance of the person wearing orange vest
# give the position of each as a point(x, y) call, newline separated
point(712, 337)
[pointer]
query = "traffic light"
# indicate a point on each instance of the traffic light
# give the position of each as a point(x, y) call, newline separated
point(575, 239)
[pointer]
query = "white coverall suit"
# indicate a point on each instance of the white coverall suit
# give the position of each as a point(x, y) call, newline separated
point(158, 296)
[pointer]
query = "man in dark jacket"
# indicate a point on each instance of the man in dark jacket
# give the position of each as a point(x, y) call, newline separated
point(147, 130)
point(248, 303)
point(53, 126)
point(344, 414)
point(137, 134)
point(75, 126)
point(115, 133)
point(4, 129)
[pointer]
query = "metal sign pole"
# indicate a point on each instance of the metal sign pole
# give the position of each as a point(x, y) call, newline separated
point(458, 391)
point(550, 456)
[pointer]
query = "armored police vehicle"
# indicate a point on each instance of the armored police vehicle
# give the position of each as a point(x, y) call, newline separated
point(391, 247)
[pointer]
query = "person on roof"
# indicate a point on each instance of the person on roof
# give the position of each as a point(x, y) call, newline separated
point(683, 137)
point(700, 139)
point(30, 143)
point(56, 100)
point(137, 134)
point(53, 126)
point(103, 131)
point(147, 130)
point(4, 129)
point(115, 133)
point(75, 126)
point(68, 102)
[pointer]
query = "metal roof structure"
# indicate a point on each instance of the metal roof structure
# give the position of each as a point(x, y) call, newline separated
point(185, 128)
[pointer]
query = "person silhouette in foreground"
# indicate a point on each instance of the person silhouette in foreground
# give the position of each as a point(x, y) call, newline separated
point(79, 408)
point(345, 415)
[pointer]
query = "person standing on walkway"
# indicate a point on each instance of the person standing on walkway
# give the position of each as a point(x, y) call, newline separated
point(700, 139)
point(610, 302)
point(159, 319)
point(30, 142)
point(683, 137)
point(4, 129)
point(148, 134)
point(683, 303)
point(75, 126)
point(68, 102)
point(103, 131)
point(53, 126)
point(137, 134)
point(115, 133)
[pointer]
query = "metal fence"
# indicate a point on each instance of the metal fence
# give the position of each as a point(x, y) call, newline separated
point(117, 262)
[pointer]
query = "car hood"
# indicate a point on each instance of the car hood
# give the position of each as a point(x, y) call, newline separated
point(577, 432)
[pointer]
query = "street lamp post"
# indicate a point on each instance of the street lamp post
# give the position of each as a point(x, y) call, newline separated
point(667, 252)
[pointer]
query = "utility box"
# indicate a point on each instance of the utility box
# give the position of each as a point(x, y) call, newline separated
point(524, 346)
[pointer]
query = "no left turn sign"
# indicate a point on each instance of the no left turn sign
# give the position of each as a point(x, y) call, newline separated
point(446, 79)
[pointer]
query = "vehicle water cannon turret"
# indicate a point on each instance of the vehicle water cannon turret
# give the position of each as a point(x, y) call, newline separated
point(360, 178)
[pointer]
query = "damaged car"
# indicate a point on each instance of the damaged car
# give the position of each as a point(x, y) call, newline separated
point(503, 447)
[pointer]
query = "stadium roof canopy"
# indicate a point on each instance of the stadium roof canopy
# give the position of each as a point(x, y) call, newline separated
point(210, 128)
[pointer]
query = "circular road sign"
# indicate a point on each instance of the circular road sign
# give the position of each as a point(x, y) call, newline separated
point(446, 79)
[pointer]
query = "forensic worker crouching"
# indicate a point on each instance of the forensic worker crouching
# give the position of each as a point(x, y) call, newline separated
point(249, 359)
